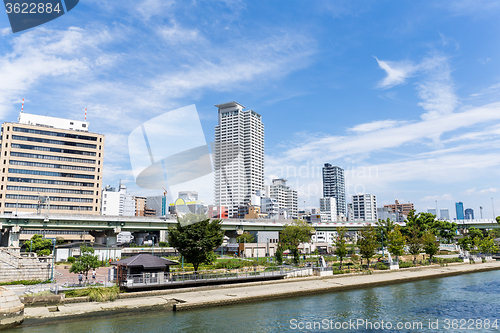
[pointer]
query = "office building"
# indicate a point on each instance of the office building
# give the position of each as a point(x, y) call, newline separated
point(334, 187)
point(364, 207)
point(469, 214)
point(117, 202)
point(238, 158)
point(385, 213)
point(459, 208)
point(328, 209)
point(285, 196)
point(158, 204)
point(444, 214)
point(140, 205)
point(432, 211)
point(401, 208)
point(52, 163)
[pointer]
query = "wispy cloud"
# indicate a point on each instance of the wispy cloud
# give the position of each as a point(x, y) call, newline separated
point(473, 191)
point(444, 197)
point(375, 126)
point(397, 72)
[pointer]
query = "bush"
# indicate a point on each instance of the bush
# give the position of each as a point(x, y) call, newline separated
point(44, 252)
point(24, 282)
point(163, 244)
point(381, 266)
point(71, 260)
point(405, 264)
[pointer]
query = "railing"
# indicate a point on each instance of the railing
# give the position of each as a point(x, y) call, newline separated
point(68, 283)
point(146, 279)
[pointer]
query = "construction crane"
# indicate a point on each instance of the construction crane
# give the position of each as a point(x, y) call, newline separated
point(164, 192)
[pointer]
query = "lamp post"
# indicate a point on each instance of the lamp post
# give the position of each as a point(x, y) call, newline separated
point(153, 247)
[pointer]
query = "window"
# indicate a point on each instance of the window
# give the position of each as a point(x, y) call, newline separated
point(71, 123)
point(85, 125)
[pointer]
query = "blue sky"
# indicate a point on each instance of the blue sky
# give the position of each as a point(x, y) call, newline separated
point(403, 95)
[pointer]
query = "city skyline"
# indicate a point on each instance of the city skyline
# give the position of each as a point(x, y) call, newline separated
point(407, 108)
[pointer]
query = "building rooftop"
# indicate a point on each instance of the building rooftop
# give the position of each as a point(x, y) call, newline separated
point(54, 122)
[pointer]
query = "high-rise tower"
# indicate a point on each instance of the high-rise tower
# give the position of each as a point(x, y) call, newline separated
point(334, 186)
point(52, 163)
point(238, 158)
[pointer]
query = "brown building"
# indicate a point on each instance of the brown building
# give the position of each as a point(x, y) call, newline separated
point(403, 208)
point(140, 205)
point(50, 163)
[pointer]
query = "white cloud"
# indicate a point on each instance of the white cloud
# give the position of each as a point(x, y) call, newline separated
point(375, 126)
point(397, 72)
point(444, 197)
point(176, 34)
point(472, 191)
point(493, 89)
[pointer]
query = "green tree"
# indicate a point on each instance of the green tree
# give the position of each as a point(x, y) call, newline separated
point(414, 243)
point(293, 234)
point(465, 243)
point(498, 219)
point(396, 242)
point(196, 242)
point(430, 244)
point(245, 237)
point(424, 222)
point(367, 243)
point(340, 244)
point(279, 254)
point(85, 262)
point(488, 246)
point(42, 246)
point(383, 230)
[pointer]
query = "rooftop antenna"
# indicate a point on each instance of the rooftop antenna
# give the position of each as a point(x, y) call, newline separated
point(22, 106)
point(85, 114)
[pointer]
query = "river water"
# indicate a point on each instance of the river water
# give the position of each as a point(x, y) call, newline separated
point(468, 302)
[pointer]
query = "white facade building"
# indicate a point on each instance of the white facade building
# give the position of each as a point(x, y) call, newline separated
point(364, 207)
point(117, 201)
point(328, 209)
point(46, 121)
point(238, 158)
point(286, 197)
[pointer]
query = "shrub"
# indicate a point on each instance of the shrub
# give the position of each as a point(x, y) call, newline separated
point(405, 264)
point(71, 260)
point(103, 294)
point(163, 244)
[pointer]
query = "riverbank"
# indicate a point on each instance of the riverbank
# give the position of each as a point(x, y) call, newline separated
point(192, 298)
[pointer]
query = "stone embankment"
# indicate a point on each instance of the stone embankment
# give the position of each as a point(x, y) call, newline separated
point(191, 298)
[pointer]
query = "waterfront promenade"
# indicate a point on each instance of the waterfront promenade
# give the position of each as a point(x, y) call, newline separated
point(191, 298)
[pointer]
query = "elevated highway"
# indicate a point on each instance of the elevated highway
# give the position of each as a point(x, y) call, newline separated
point(112, 225)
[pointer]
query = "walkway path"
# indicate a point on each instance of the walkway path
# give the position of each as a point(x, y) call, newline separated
point(189, 298)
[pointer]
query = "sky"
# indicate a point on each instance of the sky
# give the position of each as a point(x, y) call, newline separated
point(405, 96)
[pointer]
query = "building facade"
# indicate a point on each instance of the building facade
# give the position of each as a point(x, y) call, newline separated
point(364, 207)
point(469, 214)
point(459, 209)
point(328, 209)
point(238, 158)
point(285, 196)
point(117, 202)
point(140, 205)
point(444, 214)
point(334, 187)
point(50, 164)
point(401, 208)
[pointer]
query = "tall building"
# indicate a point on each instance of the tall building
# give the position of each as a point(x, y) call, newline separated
point(444, 214)
point(401, 208)
point(364, 207)
point(432, 211)
point(469, 214)
point(158, 204)
point(285, 196)
point(117, 202)
point(328, 209)
point(140, 205)
point(238, 158)
point(334, 187)
point(52, 162)
point(459, 208)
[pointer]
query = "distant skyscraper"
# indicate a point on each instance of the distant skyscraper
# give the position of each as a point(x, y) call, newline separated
point(432, 211)
point(287, 198)
point(469, 214)
point(459, 207)
point(238, 158)
point(445, 214)
point(334, 187)
point(364, 207)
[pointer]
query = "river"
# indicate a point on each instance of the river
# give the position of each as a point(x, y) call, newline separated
point(469, 301)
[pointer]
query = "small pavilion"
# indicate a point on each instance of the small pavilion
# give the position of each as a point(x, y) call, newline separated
point(143, 268)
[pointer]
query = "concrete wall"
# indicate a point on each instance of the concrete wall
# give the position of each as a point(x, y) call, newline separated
point(14, 267)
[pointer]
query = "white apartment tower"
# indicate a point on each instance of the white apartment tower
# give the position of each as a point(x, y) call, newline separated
point(286, 197)
point(117, 202)
point(238, 158)
point(364, 207)
point(328, 209)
